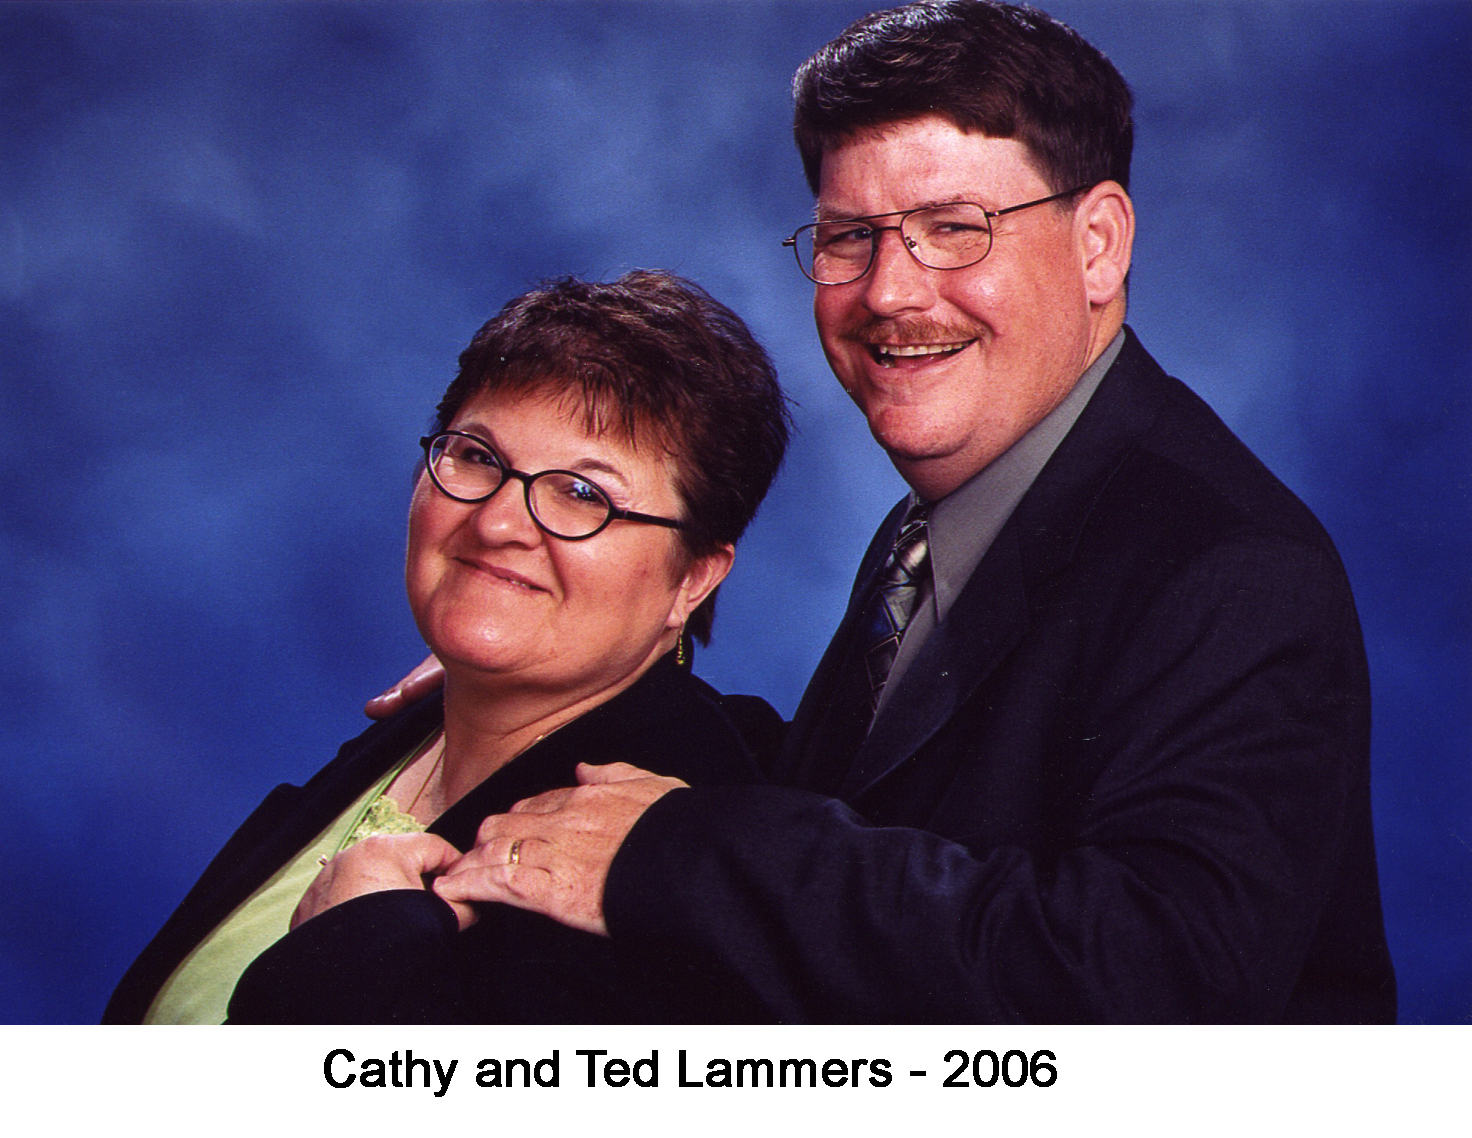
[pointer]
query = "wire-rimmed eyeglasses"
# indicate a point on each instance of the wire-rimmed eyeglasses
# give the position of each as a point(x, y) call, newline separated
point(563, 504)
point(950, 236)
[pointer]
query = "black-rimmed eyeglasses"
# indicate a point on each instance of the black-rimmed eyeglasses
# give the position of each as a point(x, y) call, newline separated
point(563, 504)
point(951, 236)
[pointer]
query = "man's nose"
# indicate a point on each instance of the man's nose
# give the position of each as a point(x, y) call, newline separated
point(896, 282)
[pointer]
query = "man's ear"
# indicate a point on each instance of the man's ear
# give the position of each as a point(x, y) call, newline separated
point(1105, 222)
point(700, 581)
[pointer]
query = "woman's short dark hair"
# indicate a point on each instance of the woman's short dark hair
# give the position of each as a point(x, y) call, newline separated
point(997, 69)
point(656, 360)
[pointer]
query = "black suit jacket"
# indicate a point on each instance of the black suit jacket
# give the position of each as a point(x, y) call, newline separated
point(1126, 779)
point(398, 956)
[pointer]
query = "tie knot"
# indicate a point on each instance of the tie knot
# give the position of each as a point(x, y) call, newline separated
point(916, 517)
point(911, 546)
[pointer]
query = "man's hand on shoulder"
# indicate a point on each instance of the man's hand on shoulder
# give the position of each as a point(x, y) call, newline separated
point(551, 854)
point(424, 679)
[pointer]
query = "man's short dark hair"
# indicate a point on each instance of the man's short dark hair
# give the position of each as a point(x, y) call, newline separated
point(996, 69)
point(657, 361)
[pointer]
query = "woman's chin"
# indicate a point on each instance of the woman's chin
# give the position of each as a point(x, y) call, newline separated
point(482, 664)
point(504, 670)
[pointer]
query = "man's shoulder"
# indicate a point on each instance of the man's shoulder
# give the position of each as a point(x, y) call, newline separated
point(1182, 469)
point(1152, 492)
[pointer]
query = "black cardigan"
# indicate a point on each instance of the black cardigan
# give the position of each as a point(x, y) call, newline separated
point(397, 956)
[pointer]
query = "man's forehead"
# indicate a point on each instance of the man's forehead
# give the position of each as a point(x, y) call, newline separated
point(914, 163)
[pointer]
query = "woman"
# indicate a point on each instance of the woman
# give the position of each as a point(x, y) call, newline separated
point(588, 474)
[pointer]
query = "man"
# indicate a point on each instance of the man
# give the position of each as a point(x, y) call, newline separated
point(1118, 768)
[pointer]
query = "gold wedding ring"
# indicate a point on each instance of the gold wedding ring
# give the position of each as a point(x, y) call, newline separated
point(514, 856)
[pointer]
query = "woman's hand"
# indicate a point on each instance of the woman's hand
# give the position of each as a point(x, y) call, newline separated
point(386, 861)
point(416, 685)
point(551, 853)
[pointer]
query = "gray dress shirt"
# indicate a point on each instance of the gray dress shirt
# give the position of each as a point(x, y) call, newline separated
point(964, 523)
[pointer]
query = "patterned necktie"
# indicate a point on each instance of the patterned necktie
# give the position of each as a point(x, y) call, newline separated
point(888, 610)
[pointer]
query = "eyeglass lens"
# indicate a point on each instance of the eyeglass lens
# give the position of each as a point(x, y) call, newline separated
point(560, 502)
point(940, 237)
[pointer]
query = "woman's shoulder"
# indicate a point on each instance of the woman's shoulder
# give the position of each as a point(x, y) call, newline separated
point(674, 723)
point(760, 725)
point(382, 743)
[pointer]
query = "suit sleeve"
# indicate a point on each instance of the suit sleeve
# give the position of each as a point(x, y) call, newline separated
point(1210, 796)
point(385, 957)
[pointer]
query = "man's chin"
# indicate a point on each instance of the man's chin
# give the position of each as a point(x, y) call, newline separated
point(906, 435)
point(932, 466)
point(916, 464)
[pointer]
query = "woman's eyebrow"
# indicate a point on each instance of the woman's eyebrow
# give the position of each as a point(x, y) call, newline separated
point(479, 430)
point(589, 465)
point(598, 466)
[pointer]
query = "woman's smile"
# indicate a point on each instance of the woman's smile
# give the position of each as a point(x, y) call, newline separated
point(500, 575)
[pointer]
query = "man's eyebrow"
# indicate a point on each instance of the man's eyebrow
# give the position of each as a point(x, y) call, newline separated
point(821, 214)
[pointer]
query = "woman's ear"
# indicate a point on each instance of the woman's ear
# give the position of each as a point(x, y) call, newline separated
point(700, 581)
point(1106, 229)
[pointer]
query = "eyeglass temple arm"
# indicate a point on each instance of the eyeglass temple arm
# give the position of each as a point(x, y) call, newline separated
point(1038, 201)
point(633, 516)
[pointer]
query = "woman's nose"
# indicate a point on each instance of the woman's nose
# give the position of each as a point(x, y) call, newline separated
point(504, 516)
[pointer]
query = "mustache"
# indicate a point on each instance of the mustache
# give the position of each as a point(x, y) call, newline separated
point(916, 330)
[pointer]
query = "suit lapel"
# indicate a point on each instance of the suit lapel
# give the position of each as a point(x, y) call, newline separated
point(233, 876)
point(276, 831)
point(821, 736)
point(988, 617)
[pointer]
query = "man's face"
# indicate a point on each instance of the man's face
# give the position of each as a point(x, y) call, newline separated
point(951, 367)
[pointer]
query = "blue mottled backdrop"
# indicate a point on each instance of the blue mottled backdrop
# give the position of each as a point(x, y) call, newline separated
point(237, 240)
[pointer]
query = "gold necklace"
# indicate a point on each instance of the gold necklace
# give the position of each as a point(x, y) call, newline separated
point(433, 770)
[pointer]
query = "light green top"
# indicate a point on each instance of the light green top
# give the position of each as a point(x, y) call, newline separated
point(199, 989)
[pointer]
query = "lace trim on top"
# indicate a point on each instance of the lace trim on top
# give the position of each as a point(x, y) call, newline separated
point(382, 817)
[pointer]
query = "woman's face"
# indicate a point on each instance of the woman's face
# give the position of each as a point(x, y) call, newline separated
point(496, 598)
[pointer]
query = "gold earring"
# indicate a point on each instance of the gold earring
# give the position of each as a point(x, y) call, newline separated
point(680, 647)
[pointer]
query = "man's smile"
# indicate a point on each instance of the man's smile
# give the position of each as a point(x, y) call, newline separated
point(886, 355)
